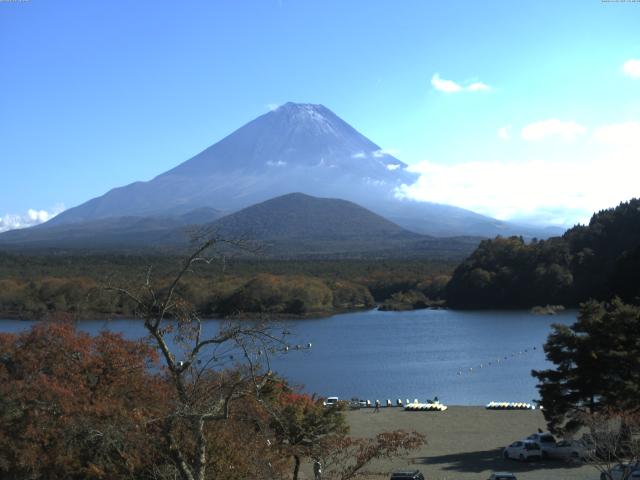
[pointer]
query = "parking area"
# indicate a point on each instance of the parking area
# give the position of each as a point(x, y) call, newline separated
point(464, 443)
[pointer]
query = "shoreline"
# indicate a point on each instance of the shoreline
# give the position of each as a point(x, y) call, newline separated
point(320, 314)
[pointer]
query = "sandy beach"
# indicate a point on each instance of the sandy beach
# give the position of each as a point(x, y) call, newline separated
point(464, 443)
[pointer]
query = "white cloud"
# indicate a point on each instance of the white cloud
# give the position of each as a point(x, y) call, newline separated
point(12, 221)
point(552, 128)
point(478, 87)
point(273, 106)
point(543, 192)
point(504, 133)
point(393, 166)
point(631, 68)
point(619, 134)
point(384, 152)
point(449, 86)
point(279, 163)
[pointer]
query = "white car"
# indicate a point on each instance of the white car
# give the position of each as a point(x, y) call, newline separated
point(331, 402)
point(569, 449)
point(523, 450)
point(545, 440)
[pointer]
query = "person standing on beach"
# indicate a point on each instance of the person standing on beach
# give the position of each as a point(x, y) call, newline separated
point(377, 409)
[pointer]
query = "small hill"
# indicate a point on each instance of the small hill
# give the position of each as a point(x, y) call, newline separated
point(300, 225)
point(297, 216)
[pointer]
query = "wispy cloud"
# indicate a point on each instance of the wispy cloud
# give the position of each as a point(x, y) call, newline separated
point(631, 68)
point(504, 133)
point(552, 128)
point(12, 221)
point(273, 106)
point(449, 86)
point(359, 155)
point(385, 152)
point(278, 163)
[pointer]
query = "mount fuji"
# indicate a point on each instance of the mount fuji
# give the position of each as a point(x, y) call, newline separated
point(295, 148)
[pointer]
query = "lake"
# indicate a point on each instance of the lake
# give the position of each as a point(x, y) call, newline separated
point(463, 357)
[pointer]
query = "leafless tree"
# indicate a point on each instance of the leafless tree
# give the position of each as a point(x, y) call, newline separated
point(612, 438)
point(345, 457)
point(207, 371)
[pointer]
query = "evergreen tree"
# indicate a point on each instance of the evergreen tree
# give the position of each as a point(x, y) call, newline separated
point(597, 365)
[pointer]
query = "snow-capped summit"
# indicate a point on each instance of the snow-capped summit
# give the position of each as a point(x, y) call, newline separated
point(296, 147)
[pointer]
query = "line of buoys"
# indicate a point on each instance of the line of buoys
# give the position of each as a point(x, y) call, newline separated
point(510, 406)
point(461, 371)
point(286, 348)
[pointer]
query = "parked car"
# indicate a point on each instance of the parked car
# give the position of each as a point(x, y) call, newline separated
point(568, 449)
point(545, 440)
point(331, 402)
point(502, 476)
point(407, 475)
point(523, 450)
point(622, 471)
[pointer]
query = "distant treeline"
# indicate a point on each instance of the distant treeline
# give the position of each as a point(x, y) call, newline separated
point(41, 286)
point(600, 261)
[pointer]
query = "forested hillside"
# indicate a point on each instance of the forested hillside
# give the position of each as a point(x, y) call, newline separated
point(600, 261)
point(40, 286)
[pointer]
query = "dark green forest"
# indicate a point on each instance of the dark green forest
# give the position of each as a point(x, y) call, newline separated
point(600, 260)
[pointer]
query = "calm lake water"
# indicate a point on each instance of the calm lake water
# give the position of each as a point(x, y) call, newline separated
point(464, 358)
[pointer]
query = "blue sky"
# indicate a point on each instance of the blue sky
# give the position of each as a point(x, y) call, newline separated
point(520, 110)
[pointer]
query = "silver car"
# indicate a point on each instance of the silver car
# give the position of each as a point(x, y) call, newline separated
point(545, 440)
point(523, 450)
point(570, 449)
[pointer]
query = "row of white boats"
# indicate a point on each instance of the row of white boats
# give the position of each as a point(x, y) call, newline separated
point(430, 405)
point(510, 406)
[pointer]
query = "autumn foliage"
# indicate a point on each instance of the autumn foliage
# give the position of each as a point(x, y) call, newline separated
point(76, 406)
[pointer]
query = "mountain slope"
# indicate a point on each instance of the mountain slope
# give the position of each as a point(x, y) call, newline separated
point(297, 147)
point(111, 233)
point(291, 226)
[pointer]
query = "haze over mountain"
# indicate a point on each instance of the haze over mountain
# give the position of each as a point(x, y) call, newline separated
point(297, 147)
point(290, 226)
